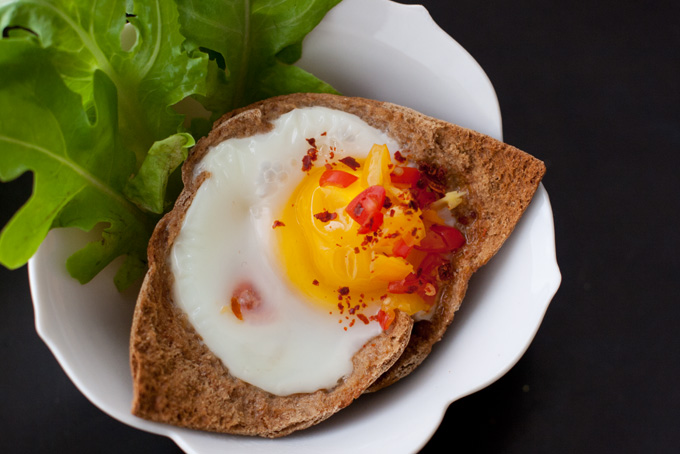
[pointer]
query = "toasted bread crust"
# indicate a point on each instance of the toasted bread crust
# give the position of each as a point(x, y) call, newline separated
point(177, 380)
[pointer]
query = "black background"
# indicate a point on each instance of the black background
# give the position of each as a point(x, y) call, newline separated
point(591, 88)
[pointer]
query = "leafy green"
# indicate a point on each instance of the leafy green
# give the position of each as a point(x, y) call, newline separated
point(84, 36)
point(79, 167)
point(147, 188)
point(88, 103)
point(257, 41)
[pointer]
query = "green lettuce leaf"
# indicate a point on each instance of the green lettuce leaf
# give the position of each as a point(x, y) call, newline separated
point(79, 165)
point(253, 43)
point(147, 188)
point(154, 74)
point(88, 98)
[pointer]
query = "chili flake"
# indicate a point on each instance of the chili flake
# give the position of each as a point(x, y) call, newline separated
point(350, 162)
point(363, 318)
point(326, 216)
point(278, 223)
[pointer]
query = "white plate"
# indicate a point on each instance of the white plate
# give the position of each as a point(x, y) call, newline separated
point(381, 50)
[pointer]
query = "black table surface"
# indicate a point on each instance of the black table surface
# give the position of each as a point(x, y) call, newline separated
point(592, 89)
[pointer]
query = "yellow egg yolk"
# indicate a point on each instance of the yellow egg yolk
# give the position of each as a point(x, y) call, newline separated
point(335, 262)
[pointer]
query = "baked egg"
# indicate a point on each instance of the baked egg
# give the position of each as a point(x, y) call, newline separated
point(302, 242)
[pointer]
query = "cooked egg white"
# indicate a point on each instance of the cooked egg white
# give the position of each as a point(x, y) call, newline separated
point(287, 343)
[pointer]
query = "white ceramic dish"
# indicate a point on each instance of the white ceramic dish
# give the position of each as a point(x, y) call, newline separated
point(382, 50)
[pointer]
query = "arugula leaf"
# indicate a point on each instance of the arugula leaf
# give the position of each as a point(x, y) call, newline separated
point(79, 167)
point(257, 40)
point(85, 36)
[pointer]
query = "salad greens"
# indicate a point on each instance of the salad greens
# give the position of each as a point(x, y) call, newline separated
point(94, 119)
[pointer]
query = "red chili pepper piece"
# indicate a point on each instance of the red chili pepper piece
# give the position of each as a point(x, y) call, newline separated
point(422, 197)
point(373, 223)
point(430, 264)
point(337, 178)
point(245, 298)
point(441, 238)
point(410, 284)
point(365, 208)
point(405, 175)
point(385, 318)
point(424, 286)
point(400, 248)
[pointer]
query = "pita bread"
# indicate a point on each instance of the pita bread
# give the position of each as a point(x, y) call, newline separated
point(177, 380)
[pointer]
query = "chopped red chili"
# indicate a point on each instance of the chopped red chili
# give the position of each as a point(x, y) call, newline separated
point(408, 176)
point(337, 178)
point(410, 284)
point(244, 299)
point(441, 238)
point(400, 248)
point(365, 208)
point(385, 318)
point(278, 223)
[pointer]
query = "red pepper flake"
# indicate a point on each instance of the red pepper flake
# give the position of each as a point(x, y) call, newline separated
point(399, 157)
point(363, 318)
point(351, 324)
point(307, 163)
point(350, 162)
point(278, 223)
point(387, 203)
point(309, 158)
point(343, 290)
point(323, 133)
point(312, 142)
point(331, 155)
point(445, 272)
point(315, 282)
point(325, 216)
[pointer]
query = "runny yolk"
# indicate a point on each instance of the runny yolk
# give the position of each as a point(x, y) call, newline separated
point(336, 245)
